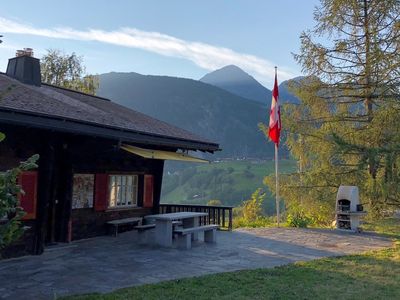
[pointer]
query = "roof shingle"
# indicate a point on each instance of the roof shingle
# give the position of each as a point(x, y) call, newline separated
point(54, 102)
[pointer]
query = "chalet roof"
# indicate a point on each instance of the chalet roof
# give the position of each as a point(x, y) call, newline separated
point(51, 107)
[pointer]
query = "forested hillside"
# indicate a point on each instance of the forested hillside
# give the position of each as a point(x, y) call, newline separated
point(206, 110)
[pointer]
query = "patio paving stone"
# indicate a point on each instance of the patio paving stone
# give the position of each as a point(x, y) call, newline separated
point(106, 263)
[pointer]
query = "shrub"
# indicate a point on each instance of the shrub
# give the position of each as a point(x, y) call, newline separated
point(214, 203)
point(10, 228)
point(249, 214)
point(252, 208)
point(261, 221)
point(299, 219)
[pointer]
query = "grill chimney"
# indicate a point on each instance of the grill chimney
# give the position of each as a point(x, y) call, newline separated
point(24, 67)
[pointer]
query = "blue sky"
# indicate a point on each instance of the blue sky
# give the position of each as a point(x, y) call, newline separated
point(176, 37)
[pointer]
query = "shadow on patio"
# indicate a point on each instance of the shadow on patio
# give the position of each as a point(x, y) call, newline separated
point(106, 263)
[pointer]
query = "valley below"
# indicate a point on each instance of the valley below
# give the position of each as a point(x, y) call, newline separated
point(229, 181)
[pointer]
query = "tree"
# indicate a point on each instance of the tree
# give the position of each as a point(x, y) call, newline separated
point(10, 211)
point(67, 70)
point(345, 129)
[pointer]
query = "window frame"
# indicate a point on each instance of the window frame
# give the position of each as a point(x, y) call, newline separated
point(135, 191)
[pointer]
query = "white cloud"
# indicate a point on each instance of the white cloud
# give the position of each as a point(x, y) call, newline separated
point(204, 55)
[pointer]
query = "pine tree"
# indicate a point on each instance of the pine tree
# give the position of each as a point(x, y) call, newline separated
point(345, 131)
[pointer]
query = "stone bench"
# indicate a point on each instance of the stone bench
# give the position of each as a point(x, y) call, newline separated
point(142, 232)
point(126, 221)
point(185, 235)
point(176, 223)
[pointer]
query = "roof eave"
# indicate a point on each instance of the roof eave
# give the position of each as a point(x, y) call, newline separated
point(69, 126)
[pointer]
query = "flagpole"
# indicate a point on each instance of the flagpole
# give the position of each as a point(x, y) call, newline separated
point(277, 185)
point(277, 174)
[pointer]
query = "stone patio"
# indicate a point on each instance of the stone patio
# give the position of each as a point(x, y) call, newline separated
point(107, 263)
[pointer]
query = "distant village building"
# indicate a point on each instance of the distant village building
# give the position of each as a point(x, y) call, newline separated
point(99, 161)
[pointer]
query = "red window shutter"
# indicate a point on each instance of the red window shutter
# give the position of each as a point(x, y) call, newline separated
point(28, 181)
point(101, 192)
point(148, 191)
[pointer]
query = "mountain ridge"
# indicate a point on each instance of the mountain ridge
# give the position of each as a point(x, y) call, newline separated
point(206, 110)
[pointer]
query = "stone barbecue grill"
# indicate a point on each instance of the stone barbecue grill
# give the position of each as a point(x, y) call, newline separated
point(348, 208)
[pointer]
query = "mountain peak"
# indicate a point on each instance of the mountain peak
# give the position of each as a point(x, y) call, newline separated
point(231, 68)
point(233, 79)
point(229, 73)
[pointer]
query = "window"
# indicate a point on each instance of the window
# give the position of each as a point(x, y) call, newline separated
point(123, 190)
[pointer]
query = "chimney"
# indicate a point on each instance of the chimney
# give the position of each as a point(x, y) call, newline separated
point(24, 67)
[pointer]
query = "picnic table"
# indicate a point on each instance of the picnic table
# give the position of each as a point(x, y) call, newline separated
point(164, 227)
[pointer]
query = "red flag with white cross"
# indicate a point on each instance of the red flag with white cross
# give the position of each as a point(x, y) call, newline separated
point(275, 115)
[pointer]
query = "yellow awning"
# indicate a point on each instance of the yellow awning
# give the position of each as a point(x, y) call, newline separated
point(159, 154)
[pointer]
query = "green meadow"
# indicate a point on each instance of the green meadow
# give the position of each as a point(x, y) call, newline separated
point(231, 182)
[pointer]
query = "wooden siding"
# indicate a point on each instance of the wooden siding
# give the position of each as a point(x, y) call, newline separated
point(62, 155)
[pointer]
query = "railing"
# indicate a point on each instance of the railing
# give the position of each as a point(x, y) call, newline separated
point(220, 215)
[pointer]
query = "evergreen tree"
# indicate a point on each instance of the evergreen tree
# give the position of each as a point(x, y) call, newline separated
point(345, 131)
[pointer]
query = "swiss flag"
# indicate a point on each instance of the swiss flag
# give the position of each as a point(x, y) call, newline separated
point(275, 115)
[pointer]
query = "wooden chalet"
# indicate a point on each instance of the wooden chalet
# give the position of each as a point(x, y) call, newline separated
point(99, 161)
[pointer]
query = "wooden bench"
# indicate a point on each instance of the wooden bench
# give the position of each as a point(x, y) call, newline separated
point(126, 221)
point(185, 235)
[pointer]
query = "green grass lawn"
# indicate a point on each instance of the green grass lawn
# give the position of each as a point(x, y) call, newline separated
point(373, 275)
point(388, 226)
